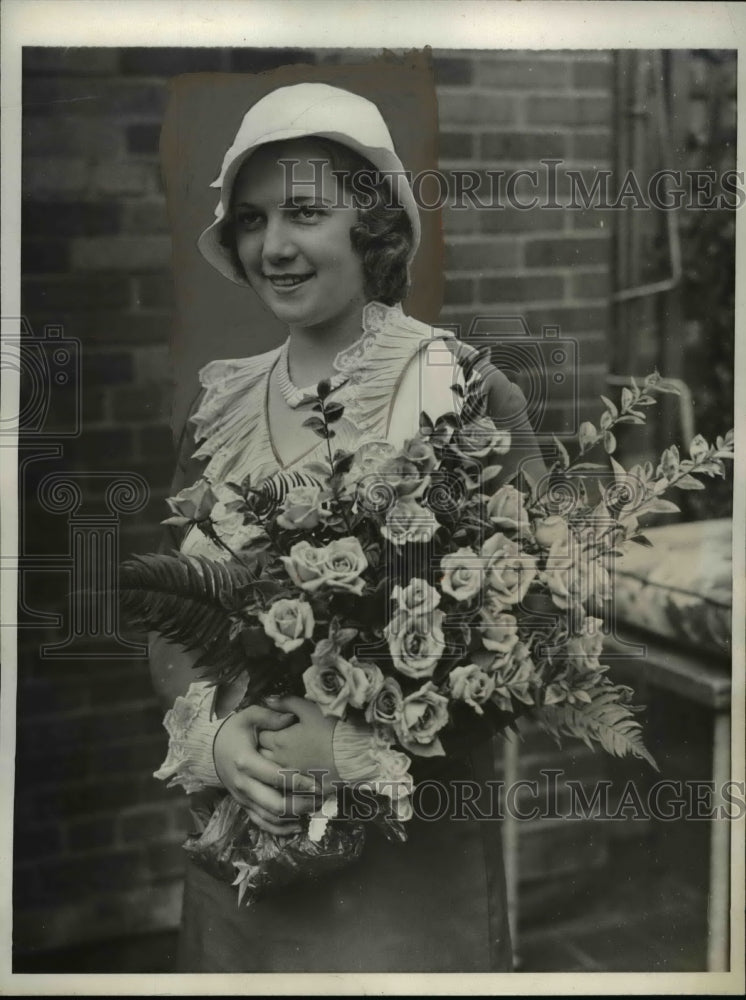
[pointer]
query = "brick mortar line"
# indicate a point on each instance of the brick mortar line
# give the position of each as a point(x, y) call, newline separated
point(491, 90)
point(529, 90)
point(467, 239)
point(590, 303)
point(532, 129)
point(86, 712)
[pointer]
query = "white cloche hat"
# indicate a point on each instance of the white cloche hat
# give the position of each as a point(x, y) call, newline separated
point(293, 112)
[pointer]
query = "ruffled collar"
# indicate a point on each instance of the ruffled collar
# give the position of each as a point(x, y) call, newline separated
point(375, 317)
point(231, 422)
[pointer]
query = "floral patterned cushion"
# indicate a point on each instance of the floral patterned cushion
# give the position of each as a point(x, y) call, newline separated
point(682, 587)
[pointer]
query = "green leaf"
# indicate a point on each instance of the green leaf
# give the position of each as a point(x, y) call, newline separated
point(668, 387)
point(317, 425)
point(319, 469)
point(343, 462)
point(323, 388)
point(631, 418)
point(489, 472)
point(609, 442)
point(642, 540)
point(528, 479)
point(564, 456)
point(659, 506)
point(445, 420)
point(333, 412)
point(610, 406)
point(689, 483)
point(620, 473)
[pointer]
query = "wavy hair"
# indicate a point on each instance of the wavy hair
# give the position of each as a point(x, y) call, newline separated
point(382, 236)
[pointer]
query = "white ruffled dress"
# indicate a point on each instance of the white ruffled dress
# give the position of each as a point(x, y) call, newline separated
point(436, 903)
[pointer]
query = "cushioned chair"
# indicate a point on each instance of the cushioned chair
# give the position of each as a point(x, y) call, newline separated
point(680, 589)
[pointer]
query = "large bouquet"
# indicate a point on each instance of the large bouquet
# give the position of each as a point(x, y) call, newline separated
point(420, 591)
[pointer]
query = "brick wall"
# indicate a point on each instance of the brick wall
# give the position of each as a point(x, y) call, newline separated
point(508, 113)
point(97, 839)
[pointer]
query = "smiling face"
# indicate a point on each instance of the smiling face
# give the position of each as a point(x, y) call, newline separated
point(292, 236)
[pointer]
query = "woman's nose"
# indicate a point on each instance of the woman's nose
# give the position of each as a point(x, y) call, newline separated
point(278, 243)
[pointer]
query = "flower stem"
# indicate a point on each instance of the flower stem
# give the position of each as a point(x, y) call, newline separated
point(335, 492)
point(215, 537)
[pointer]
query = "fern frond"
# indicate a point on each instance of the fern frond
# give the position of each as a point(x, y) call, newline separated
point(606, 719)
point(188, 600)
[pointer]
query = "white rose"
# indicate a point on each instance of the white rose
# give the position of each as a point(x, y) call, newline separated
point(418, 597)
point(416, 643)
point(288, 623)
point(472, 685)
point(334, 683)
point(424, 714)
point(407, 521)
point(462, 574)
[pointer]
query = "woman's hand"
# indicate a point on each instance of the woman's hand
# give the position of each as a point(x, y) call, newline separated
point(274, 799)
point(305, 746)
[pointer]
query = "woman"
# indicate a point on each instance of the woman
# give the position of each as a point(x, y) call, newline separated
point(316, 217)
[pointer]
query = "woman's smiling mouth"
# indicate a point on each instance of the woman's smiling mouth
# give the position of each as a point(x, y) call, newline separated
point(287, 282)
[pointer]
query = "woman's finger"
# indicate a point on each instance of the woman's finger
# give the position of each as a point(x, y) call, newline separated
point(288, 806)
point(270, 827)
point(267, 740)
point(262, 770)
point(254, 792)
point(289, 703)
point(271, 818)
point(296, 782)
point(260, 717)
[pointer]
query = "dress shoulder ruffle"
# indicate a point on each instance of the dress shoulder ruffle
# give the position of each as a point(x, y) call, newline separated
point(229, 418)
point(230, 423)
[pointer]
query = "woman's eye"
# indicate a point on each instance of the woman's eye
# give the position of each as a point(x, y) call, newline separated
point(248, 220)
point(308, 213)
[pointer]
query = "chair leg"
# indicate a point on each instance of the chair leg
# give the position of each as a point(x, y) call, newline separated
point(718, 903)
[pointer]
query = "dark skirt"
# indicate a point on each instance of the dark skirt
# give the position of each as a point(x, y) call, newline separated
point(436, 903)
